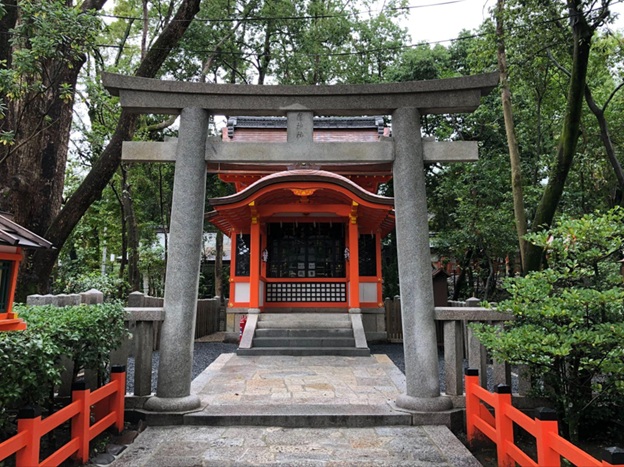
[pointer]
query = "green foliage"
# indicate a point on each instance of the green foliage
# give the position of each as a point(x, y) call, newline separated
point(30, 359)
point(29, 362)
point(49, 31)
point(86, 334)
point(569, 319)
point(111, 286)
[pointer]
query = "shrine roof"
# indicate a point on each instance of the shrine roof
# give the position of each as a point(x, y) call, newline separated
point(302, 175)
point(303, 194)
point(13, 234)
point(320, 123)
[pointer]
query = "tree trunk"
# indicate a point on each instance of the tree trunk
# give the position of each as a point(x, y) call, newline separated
point(514, 152)
point(582, 35)
point(461, 278)
point(605, 136)
point(103, 169)
point(134, 278)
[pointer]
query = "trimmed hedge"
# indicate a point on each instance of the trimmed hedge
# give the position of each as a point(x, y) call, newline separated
point(30, 360)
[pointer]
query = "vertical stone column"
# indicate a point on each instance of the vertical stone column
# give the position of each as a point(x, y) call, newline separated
point(185, 242)
point(412, 231)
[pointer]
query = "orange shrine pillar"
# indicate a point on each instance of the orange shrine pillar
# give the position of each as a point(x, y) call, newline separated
point(17, 258)
point(254, 259)
point(354, 263)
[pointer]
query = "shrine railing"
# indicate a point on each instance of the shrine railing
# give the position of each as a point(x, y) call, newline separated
point(106, 404)
point(491, 415)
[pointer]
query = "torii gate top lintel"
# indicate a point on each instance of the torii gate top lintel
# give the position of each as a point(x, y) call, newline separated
point(450, 95)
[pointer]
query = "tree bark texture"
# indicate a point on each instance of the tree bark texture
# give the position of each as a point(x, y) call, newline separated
point(105, 166)
point(582, 35)
point(512, 142)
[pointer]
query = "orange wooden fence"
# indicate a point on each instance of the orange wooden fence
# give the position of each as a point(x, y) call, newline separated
point(499, 428)
point(108, 409)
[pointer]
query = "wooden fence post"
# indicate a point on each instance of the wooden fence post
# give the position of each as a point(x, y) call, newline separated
point(29, 421)
point(504, 425)
point(472, 404)
point(546, 425)
point(81, 422)
point(117, 404)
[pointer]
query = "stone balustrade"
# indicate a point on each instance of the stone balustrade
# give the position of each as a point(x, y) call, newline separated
point(90, 297)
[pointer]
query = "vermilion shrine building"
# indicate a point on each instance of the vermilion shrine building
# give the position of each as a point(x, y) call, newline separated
point(312, 233)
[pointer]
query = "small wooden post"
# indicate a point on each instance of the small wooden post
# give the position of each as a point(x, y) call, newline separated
point(504, 425)
point(472, 403)
point(29, 421)
point(81, 422)
point(117, 404)
point(546, 426)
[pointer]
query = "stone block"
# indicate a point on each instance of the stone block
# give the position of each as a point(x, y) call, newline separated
point(35, 300)
point(136, 299)
point(92, 297)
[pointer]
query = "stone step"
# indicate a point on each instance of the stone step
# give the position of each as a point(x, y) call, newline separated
point(292, 416)
point(304, 342)
point(304, 321)
point(305, 351)
point(303, 333)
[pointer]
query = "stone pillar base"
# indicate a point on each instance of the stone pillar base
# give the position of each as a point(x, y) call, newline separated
point(424, 404)
point(173, 404)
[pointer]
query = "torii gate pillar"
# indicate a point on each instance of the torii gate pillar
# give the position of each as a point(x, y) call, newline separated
point(412, 231)
point(183, 263)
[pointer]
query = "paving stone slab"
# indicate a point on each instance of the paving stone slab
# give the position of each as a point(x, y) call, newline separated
point(279, 446)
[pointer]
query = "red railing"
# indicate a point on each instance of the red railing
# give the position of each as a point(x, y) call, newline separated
point(108, 405)
point(499, 428)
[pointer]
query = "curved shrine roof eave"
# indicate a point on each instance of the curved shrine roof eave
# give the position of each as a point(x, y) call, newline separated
point(439, 96)
point(14, 235)
point(302, 175)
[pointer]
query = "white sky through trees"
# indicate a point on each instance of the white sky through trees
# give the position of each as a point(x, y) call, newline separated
point(442, 20)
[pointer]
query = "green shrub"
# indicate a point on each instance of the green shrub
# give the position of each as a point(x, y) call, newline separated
point(569, 320)
point(30, 359)
point(84, 333)
point(30, 369)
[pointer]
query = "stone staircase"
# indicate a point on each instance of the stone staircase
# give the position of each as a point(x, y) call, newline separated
point(302, 334)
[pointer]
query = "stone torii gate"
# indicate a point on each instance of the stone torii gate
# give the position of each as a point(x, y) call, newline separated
point(405, 102)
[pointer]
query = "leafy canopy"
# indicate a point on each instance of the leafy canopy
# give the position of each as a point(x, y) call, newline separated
point(569, 318)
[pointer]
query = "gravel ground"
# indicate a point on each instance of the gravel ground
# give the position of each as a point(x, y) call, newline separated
point(206, 352)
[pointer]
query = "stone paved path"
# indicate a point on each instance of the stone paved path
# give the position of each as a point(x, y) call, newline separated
point(297, 411)
point(185, 446)
point(279, 380)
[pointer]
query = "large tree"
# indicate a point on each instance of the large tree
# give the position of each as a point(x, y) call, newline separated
point(583, 18)
point(51, 43)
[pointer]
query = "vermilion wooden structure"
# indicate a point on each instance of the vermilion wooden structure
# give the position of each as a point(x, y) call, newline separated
point(13, 238)
point(108, 409)
point(499, 428)
point(304, 227)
